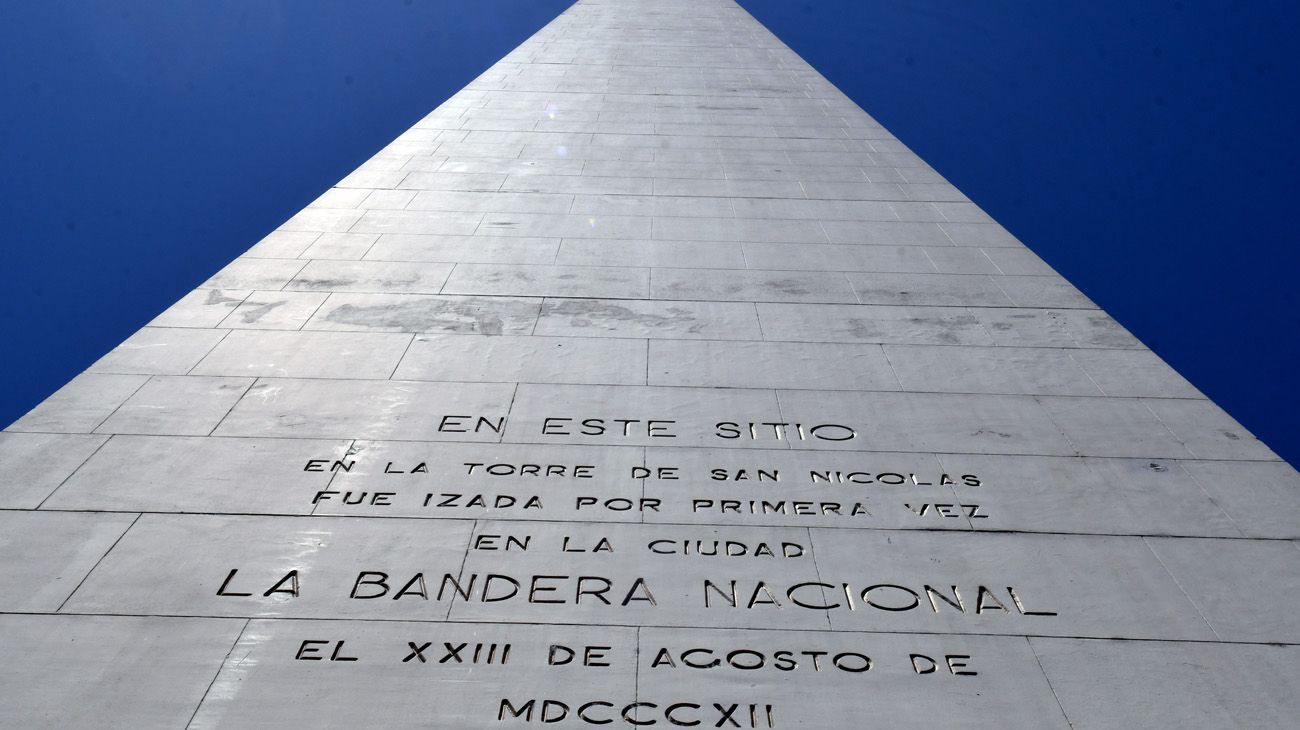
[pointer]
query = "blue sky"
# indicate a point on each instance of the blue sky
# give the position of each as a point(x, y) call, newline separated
point(1146, 150)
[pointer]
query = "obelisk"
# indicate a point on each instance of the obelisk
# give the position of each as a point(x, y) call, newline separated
point(647, 381)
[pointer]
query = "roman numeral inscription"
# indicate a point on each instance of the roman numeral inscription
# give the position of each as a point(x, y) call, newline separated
point(645, 382)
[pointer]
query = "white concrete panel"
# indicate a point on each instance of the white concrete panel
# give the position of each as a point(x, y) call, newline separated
point(645, 381)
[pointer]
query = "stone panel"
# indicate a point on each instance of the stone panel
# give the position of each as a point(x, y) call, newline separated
point(647, 381)
point(48, 554)
point(1164, 684)
point(369, 409)
point(524, 359)
point(93, 670)
point(37, 463)
point(187, 474)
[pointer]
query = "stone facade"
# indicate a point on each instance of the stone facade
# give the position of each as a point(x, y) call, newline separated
point(646, 381)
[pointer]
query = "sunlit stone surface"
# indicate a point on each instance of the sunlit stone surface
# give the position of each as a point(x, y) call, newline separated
point(645, 382)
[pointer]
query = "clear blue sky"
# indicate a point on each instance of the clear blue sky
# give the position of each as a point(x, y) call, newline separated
point(1146, 150)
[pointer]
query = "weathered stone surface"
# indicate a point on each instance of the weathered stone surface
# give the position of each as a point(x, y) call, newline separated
point(37, 463)
point(48, 554)
point(93, 671)
point(1103, 684)
point(647, 381)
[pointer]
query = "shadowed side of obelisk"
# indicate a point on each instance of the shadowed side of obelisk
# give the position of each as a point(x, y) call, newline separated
point(646, 381)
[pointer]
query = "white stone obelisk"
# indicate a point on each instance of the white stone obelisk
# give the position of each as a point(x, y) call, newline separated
point(647, 381)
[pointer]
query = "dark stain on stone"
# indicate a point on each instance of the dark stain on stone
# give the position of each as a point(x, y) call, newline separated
point(395, 283)
point(590, 313)
point(216, 296)
point(793, 287)
point(1107, 332)
point(441, 316)
point(323, 283)
point(864, 329)
point(942, 330)
point(258, 310)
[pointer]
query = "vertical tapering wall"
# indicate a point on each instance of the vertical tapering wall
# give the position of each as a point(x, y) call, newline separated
point(645, 382)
